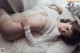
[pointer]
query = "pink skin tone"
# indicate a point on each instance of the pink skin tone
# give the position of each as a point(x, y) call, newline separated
point(65, 29)
point(57, 8)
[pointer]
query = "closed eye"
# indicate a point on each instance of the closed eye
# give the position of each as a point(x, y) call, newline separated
point(67, 29)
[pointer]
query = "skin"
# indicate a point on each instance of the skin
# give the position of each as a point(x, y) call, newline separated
point(13, 30)
point(65, 29)
point(10, 30)
point(37, 22)
point(55, 7)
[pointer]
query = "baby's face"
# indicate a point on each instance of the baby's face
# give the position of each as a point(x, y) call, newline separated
point(65, 29)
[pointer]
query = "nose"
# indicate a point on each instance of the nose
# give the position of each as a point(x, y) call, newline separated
point(63, 30)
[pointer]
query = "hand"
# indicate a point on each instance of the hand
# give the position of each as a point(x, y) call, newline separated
point(25, 22)
point(58, 9)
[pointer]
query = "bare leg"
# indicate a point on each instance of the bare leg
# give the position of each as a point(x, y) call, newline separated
point(10, 30)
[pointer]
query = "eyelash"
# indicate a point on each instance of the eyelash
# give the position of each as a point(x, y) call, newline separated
point(67, 29)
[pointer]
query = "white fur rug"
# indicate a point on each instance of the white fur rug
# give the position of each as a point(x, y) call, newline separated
point(21, 46)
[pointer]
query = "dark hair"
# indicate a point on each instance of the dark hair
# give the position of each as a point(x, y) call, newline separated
point(65, 20)
point(75, 38)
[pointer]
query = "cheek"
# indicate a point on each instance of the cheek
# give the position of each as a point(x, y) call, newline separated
point(61, 31)
point(62, 28)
